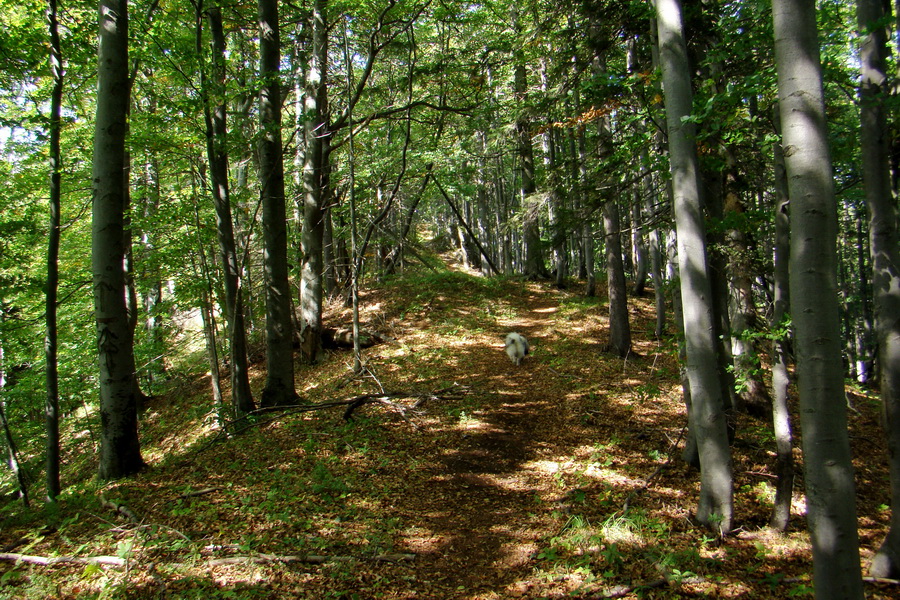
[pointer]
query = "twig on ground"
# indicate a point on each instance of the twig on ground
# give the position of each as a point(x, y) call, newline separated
point(119, 508)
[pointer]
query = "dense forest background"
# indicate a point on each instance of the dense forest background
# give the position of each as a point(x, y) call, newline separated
point(244, 171)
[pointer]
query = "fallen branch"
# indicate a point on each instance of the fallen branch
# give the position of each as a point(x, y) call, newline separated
point(119, 508)
point(231, 427)
point(113, 561)
point(308, 559)
point(199, 492)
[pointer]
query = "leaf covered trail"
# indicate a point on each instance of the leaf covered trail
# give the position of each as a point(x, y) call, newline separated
point(559, 478)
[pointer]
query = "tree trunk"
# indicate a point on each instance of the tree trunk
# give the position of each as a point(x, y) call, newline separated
point(619, 327)
point(279, 388)
point(781, 418)
point(830, 494)
point(51, 411)
point(120, 452)
point(534, 255)
point(884, 244)
point(217, 155)
point(315, 185)
point(639, 246)
point(207, 316)
point(707, 414)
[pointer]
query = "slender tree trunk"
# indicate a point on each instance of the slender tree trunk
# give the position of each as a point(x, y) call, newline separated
point(884, 243)
point(279, 388)
point(639, 246)
point(707, 414)
point(217, 154)
point(619, 327)
point(15, 462)
point(781, 418)
point(120, 452)
point(207, 315)
point(51, 411)
point(315, 184)
point(830, 494)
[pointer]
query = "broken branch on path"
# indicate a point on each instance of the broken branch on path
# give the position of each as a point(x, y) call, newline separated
point(384, 398)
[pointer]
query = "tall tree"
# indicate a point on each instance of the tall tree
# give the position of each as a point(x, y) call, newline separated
point(885, 250)
point(707, 414)
point(279, 387)
point(534, 254)
point(781, 419)
point(120, 452)
point(215, 116)
point(315, 185)
point(830, 495)
point(50, 344)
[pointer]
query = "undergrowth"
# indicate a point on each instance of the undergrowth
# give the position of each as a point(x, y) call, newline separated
point(558, 478)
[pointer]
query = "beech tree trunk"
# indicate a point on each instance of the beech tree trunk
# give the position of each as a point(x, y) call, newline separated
point(619, 327)
point(315, 185)
point(214, 110)
point(51, 411)
point(884, 243)
point(781, 418)
point(830, 494)
point(707, 414)
point(279, 388)
point(120, 452)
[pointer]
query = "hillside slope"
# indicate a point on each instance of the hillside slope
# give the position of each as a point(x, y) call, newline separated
point(463, 476)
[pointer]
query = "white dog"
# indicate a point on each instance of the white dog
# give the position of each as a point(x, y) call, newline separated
point(516, 348)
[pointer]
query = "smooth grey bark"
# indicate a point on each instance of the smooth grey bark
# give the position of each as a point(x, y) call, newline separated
point(707, 413)
point(51, 410)
point(120, 452)
point(885, 250)
point(781, 418)
point(830, 494)
point(215, 115)
point(279, 387)
point(619, 327)
point(315, 186)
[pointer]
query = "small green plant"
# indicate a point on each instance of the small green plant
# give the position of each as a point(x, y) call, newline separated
point(325, 483)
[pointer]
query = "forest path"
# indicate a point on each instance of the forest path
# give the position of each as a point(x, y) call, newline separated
point(481, 496)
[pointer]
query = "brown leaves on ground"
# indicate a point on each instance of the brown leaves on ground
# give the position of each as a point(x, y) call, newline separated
point(559, 478)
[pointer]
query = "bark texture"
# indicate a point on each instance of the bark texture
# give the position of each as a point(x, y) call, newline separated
point(830, 494)
point(279, 388)
point(120, 453)
point(707, 414)
point(884, 243)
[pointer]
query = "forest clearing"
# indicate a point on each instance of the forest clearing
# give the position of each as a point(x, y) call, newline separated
point(476, 479)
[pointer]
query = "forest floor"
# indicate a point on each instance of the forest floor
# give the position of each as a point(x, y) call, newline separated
point(466, 477)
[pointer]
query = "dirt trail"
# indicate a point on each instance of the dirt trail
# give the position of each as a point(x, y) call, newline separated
point(481, 491)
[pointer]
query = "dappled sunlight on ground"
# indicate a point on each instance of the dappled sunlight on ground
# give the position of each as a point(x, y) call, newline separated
point(557, 478)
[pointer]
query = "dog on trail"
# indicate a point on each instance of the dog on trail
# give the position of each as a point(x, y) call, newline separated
point(516, 348)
